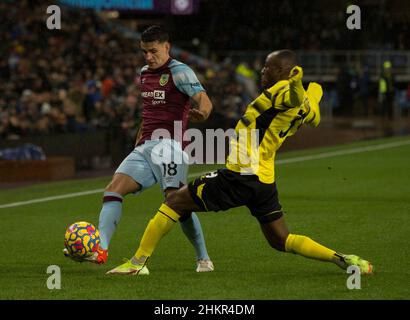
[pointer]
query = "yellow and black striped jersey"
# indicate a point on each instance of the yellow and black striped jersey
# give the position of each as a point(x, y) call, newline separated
point(267, 122)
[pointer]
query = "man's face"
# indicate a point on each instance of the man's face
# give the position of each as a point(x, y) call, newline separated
point(155, 53)
point(268, 73)
point(275, 69)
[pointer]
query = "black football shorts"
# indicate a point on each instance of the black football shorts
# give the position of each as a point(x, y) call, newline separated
point(225, 189)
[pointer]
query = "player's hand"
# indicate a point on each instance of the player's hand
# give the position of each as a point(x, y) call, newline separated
point(196, 115)
point(296, 74)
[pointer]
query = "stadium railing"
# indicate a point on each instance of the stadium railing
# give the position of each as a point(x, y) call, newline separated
point(324, 65)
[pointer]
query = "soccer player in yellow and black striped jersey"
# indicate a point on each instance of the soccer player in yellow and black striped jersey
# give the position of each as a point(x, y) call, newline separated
point(249, 178)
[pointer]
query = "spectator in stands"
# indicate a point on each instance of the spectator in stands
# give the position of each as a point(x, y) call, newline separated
point(386, 91)
point(91, 98)
point(407, 104)
point(364, 89)
point(408, 92)
point(247, 77)
point(343, 87)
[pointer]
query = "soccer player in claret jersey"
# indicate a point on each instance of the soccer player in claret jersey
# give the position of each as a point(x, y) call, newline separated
point(167, 86)
point(276, 114)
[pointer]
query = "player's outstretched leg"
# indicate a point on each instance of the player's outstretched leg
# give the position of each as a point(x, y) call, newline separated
point(131, 267)
point(193, 231)
point(159, 226)
point(99, 256)
point(178, 204)
point(279, 238)
point(110, 215)
point(109, 218)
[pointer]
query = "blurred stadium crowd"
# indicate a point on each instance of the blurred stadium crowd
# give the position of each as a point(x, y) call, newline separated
point(82, 77)
point(85, 76)
point(308, 25)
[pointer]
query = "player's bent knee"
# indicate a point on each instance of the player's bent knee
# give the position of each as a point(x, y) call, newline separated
point(178, 202)
point(275, 231)
point(123, 185)
point(185, 216)
point(169, 198)
point(173, 200)
point(278, 245)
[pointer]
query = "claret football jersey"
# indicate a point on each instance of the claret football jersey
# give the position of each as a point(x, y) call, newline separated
point(166, 93)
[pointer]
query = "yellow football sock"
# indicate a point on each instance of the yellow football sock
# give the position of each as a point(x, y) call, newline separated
point(158, 227)
point(308, 248)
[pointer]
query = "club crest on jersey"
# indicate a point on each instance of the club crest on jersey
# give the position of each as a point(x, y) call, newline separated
point(164, 79)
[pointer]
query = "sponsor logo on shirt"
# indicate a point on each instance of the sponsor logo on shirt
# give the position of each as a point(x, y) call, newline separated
point(159, 94)
point(156, 94)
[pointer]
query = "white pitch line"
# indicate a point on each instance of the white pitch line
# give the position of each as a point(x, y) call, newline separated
point(283, 161)
point(345, 152)
point(64, 196)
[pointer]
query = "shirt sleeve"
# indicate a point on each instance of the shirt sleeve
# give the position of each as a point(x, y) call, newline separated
point(186, 80)
point(280, 98)
point(310, 106)
point(293, 93)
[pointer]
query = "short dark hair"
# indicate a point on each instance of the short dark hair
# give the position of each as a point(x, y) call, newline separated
point(155, 33)
point(288, 57)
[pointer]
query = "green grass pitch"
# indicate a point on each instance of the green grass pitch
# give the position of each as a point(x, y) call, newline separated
point(355, 203)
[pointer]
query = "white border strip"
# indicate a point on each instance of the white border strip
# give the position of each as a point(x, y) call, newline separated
point(284, 161)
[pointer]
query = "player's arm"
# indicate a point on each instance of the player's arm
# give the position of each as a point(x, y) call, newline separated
point(296, 93)
point(292, 96)
point(308, 100)
point(204, 107)
point(139, 133)
point(187, 82)
point(310, 107)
